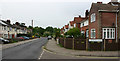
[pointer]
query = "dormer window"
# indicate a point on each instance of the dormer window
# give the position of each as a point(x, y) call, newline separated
point(93, 17)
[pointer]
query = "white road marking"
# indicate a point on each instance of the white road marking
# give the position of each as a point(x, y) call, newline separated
point(41, 55)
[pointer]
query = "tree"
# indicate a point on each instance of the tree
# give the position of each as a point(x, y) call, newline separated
point(75, 32)
point(49, 29)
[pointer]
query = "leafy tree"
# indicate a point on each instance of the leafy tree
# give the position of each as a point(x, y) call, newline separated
point(46, 34)
point(75, 32)
point(49, 29)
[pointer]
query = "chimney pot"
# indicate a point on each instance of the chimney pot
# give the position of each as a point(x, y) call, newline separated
point(17, 23)
point(79, 16)
point(99, 2)
point(8, 21)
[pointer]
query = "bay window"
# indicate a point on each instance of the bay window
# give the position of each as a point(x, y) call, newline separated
point(108, 33)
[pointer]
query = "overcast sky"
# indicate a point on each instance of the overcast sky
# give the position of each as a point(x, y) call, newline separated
point(45, 13)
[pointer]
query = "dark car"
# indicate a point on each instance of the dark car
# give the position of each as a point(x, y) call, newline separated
point(2, 40)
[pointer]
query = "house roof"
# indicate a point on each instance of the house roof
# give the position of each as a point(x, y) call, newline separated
point(78, 19)
point(2, 23)
point(71, 23)
point(99, 6)
point(66, 26)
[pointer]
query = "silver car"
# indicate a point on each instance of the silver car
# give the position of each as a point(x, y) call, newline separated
point(2, 40)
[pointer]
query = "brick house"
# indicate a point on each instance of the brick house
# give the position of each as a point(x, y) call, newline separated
point(62, 31)
point(66, 28)
point(84, 27)
point(102, 21)
point(77, 21)
point(71, 25)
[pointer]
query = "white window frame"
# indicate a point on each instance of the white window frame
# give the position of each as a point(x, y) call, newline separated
point(111, 33)
point(74, 24)
point(93, 17)
point(92, 33)
point(81, 25)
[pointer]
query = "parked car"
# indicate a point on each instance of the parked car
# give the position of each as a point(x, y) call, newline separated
point(26, 38)
point(2, 40)
point(21, 38)
point(49, 37)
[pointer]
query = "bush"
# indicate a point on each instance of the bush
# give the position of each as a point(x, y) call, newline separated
point(75, 32)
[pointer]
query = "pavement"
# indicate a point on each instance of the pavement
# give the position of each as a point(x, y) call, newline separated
point(53, 47)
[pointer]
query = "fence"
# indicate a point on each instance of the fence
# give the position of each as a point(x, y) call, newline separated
point(81, 44)
point(71, 43)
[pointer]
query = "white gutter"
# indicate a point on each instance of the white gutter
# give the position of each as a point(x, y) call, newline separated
point(108, 10)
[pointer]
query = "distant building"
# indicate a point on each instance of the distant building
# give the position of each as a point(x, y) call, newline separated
point(7, 30)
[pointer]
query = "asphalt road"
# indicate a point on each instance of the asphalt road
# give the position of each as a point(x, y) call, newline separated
point(30, 50)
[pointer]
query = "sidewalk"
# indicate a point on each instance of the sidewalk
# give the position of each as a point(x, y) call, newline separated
point(53, 47)
point(5, 46)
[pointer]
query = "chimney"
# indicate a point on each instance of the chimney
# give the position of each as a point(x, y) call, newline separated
point(17, 23)
point(99, 2)
point(86, 13)
point(114, 0)
point(79, 16)
point(8, 21)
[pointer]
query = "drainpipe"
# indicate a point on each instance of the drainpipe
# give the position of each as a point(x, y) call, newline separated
point(116, 27)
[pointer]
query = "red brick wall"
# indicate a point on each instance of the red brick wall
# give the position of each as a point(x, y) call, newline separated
point(93, 25)
point(84, 29)
point(108, 19)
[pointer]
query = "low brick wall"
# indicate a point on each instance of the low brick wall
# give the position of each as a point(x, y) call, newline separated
point(80, 44)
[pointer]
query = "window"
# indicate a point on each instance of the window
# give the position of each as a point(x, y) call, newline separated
point(81, 24)
point(83, 33)
point(108, 33)
point(93, 33)
point(86, 23)
point(5, 28)
point(74, 25)
point(93, 17)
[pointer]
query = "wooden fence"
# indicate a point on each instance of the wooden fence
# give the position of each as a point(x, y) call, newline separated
point(81, 44)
